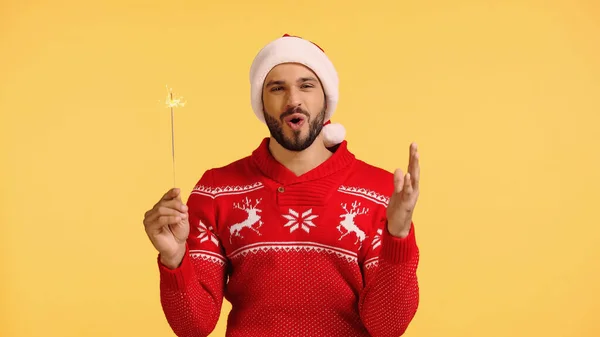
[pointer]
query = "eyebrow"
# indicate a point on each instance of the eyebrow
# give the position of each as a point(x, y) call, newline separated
point(300, 80)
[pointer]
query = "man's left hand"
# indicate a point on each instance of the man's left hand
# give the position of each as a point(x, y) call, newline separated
point(404, 198)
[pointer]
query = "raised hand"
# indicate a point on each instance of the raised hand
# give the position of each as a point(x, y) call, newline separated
point(404, 198)
point(168, 227)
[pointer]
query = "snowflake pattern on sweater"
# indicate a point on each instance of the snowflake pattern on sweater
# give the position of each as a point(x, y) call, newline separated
point(295, 256)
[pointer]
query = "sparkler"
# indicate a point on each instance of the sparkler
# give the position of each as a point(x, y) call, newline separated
point(173, 103)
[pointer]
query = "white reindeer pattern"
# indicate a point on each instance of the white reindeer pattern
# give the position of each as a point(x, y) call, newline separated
point(253, 219)
point(348, 222)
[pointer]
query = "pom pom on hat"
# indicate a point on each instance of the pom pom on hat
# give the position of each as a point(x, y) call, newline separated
point(294, 49)
point(333, 134)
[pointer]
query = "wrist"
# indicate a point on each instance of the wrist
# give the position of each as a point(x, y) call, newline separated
point(173, 261)
point(398, 231)
point(401, 234)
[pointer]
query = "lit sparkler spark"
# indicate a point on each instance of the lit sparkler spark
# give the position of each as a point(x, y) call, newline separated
point(173, 103)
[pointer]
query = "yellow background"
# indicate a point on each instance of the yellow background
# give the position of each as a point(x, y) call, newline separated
point(503, 98)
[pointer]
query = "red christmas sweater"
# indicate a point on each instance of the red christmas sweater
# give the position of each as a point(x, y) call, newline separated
point(295, 256)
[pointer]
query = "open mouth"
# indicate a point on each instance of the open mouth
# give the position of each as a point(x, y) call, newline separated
point(295, 121)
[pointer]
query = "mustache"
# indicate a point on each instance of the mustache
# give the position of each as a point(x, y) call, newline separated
point(294, 110)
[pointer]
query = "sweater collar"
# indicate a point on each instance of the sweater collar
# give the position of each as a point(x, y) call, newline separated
point(274, 170)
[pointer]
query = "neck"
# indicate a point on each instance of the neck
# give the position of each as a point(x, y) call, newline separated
point(302, 161)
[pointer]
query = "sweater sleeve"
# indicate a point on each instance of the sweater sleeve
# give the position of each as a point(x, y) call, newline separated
point(390, 297)
point(192, 294)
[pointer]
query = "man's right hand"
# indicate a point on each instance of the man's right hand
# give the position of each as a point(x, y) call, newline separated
point(168, 227)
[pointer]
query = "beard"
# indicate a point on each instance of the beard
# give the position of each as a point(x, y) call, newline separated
point(296, 142)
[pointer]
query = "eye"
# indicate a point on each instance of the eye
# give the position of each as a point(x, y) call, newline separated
point(276, 88)
point(306, 85)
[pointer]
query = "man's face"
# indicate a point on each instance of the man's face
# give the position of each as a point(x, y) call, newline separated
point(294, 105)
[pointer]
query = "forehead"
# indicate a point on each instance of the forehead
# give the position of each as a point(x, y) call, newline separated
point(289, 71)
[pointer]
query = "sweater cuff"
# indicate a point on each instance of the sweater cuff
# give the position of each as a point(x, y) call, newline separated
point(177, 279)
point(399, 250)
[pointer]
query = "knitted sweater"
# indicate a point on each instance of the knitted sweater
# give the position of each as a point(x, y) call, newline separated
point(295, 256)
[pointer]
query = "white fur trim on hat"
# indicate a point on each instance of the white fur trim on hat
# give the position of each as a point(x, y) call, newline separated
point(288, 49)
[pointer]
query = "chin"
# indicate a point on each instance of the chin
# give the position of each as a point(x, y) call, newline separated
point(294, 138)
point(296, 143)
point(289, 139)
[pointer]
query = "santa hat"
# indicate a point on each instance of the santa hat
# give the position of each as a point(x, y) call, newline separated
point(295, 49)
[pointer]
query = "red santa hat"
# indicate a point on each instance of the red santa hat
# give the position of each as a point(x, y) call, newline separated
point(295, 49)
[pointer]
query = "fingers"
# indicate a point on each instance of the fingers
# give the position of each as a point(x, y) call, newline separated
point(170, 208)
point(403, 185)
point(412, 149)
point(167, 211)
point(408, 183)
point(172, 199)
point(171, 194)
point(164, 221)
point(175, 204)
point(408, 188)
point(413, 165)
point(398, 181)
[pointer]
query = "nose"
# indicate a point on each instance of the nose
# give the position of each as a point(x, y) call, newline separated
point(293, 99)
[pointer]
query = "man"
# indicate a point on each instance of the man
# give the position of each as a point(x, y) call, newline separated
point(301, 237)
